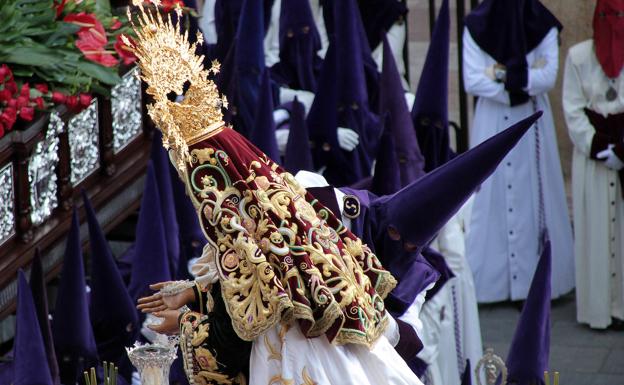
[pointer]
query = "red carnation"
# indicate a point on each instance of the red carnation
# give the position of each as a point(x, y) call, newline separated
point(72, 102)
point(11, 86)
point(25, 90)
point(22, 101)
point(43, 88)
point(5, 73)
point(1, 130)
point(84, 100)
point(92, 44)
point(12, 103)
point(59, 5)
point(58, 97)
point(8, 117)
point(124, 52)
point(5, 95)
point(27, 113)
point(39, 102)
point(84, 20)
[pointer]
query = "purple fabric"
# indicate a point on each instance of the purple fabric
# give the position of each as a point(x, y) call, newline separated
point(263, 133)
point(418, 366)
point(411, 270)
point(378, 16)
point(248, 66)
point(409, 343)
point(150, 263)
point(6, 372)
point(410, 161)
point(386, 179)
point(327, 196)
point(73, 337)
point(299, 66)
point(343, 69)
point(298, 155)
point(227, 16)
point(438, 262)
point(467, 377)
point(528, 355)
point(419, 210)
point(430, 109)
point(113, 314)
point(30, 358)
point(40, 299)
point(507, 31)
point(161, 163)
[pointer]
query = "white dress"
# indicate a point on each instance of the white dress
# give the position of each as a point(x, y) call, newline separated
point(503, 243)
point(597, 197)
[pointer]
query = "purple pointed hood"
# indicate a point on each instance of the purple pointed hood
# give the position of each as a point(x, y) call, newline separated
point(73, 337)
point(298, 154)
point(248, 65)
point(263, 134)
point(378, 16)
point(30, 358)
point(387, 178)
point(418, 211)
point(528, 355)
point(113, 314)
point(299, 66)
point(40, 299)
point(467, 376)
point(150, 263)
point(410, 161)
point(161, 163)
point(430, 109)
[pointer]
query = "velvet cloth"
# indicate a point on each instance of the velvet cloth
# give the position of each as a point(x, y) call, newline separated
point(430, 109)
point(529, 351)
point(609, 131)
point(608, 26)
point(281, 255)
point(298, 155)
point(40, 299)
point(112, 312)
point(507, 31)
point(409, 158)
point(30, 358)
point(299, 40)
point(74, 342)
point(378, 16)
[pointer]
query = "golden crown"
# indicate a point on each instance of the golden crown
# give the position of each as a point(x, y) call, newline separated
point(168, 62)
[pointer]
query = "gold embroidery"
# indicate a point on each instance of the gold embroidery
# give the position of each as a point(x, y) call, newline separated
point(274, 353)
point(278, 380)
point(307, 380)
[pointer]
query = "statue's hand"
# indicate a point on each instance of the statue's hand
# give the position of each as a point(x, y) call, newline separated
point(169, 324)
point(158, 302)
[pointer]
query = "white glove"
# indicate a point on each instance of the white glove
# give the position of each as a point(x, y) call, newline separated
point(611, 160)
point(280, 116)
point(409, 99)
point(305, 97)
point(281, 136)
point(348, 139)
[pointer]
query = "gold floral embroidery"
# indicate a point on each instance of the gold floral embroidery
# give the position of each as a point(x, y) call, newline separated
point(307, 380)
point(209, 378)
point(274, 353)
point(278, 380)
point(281, 256)
point(205, 359)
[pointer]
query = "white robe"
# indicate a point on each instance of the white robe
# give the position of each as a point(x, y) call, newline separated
point(503, 244)
point(597, 198)
point(450, 242)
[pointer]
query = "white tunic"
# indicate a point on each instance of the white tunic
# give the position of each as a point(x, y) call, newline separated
point(597, 199)
point(503, 244)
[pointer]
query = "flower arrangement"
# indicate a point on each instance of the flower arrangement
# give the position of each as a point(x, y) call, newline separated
point(57, 52)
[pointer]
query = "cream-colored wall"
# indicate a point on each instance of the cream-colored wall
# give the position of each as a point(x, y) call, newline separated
point(576, 17)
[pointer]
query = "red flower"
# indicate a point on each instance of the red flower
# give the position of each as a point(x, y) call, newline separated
point(84, 20)
point(1, 130)
point(8, 117)
point(84, 100)
point(12, 103)
point(92, 42)
point(5, 95)
point(39, 102)
point(5, 73)
point(116, 24)
point(59, 5)
point(11, 86)
point(22, 101)
point(25, 90)
point(27, 113)
point(72, 102)
point(58, 97)
point(168, 5)
point(124, 52)
point(43, 88)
